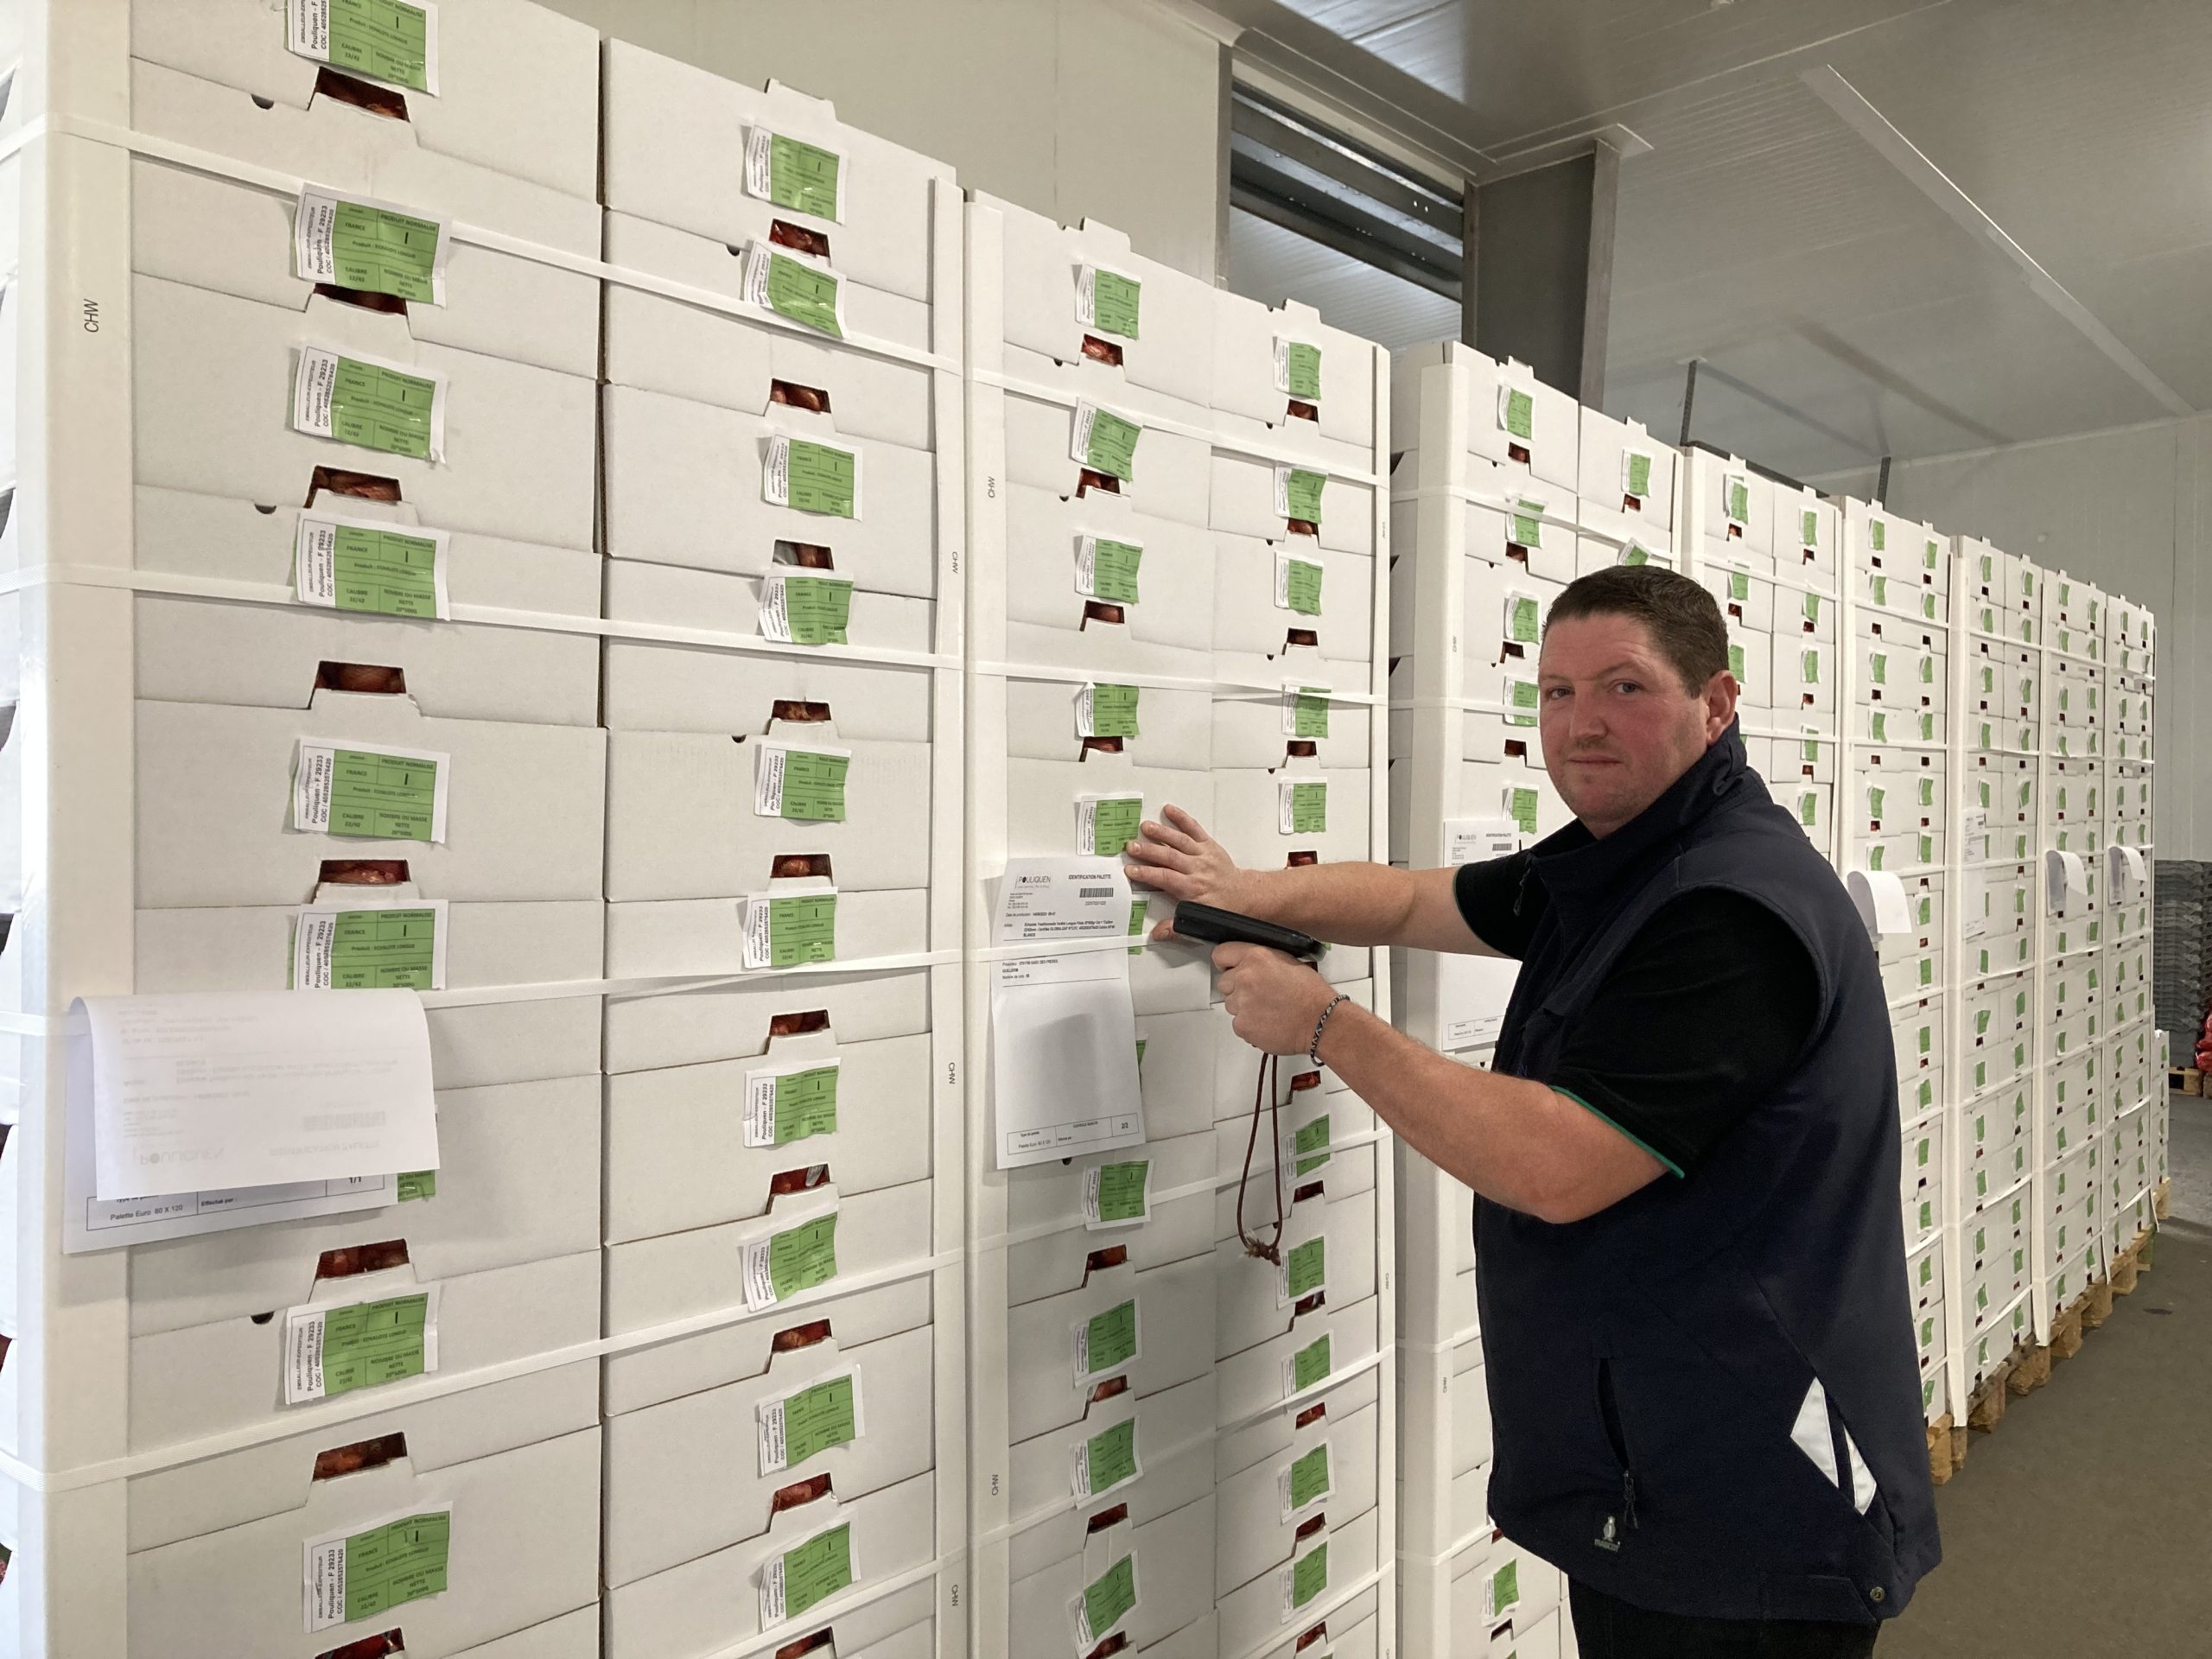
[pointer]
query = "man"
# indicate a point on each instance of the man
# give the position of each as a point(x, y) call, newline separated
point(1690, 1261)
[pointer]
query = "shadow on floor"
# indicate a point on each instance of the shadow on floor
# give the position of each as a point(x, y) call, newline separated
point(2081, 1526)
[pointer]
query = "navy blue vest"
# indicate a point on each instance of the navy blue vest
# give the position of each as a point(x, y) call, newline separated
point(1705, 1398)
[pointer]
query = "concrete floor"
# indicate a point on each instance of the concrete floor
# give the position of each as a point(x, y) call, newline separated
point(2081, 1527)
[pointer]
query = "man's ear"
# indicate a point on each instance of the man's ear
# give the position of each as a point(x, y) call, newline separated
point(1720, 698)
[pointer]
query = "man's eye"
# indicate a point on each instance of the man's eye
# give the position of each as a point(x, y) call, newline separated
point(1554, 693)
point(1626, 685)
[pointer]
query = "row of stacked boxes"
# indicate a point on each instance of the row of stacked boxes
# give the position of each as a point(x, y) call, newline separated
point(1173, 601)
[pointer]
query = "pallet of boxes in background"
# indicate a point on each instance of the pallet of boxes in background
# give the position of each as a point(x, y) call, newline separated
point(782, 433)
point(310, 492)
point(1176, 593)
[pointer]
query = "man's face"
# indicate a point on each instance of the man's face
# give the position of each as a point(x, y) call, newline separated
point(1619, 726)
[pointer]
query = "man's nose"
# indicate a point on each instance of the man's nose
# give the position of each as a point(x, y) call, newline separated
point(1586, 720)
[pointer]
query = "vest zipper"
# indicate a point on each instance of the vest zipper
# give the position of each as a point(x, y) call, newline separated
point(1609, 1408)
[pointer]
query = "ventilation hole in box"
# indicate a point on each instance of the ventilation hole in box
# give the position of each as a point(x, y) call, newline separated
point(366, 679)
point(361, 872)
point(342, 1460)
point(797, 1025)
point(783, 233)
point(1102, 351)
point(385, 101)
point(798, 1336)
point(792, 395)
point(807, 556)
point(362, 298)
point(356, 1259)
point(365, 487)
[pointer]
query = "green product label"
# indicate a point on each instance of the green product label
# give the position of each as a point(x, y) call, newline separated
point(817, 1569)
point(1879, 666)
point(1639, 475)
point(1736, 661)
point(1121, 1190)
point(801, 1257)
point(1523, 619)
point(381, 252)
point(1881, 538)
point(1310, 1365)
point(1113, 710)
point(1111, 1457)
point(1928, 606)
point(1312, 1145)
point(818, 1418)
point(1306, 1269)
point(385, 40)
point(1927, 1037)
point(1810, 532)
point(1108, 1599)
point(1928, 791)
point(1528, 524)
point(1114, 303)
point(1739, 585)
point(1309, 809)
point(1876, 797)
point(1309, 1576)
point(1925, 1146)
point(1928, 559)
point(400, 1562)
point(1808, 809)
point(1927, 856)
point(1928, 670)
point(1740, 501)
point(1874, 857)
point(1113, 569)
point(1310, 713)
point(1302, 494)
point(806, 1103)
point(386, 572)
point(1520, 414)
point(366, 1344)
point(1524, 810)
point(1633, 554)
point(1137, 918)
point(1111, 1337)
point(1302, 581)
point(801, 928)
point(1524, 704)
point(1927, 971)
point(417, 1183)
point(1504, 1588)
point(1309, 1476)
point(1812, 607)
point(1113, 826)
point(821, 477)
point(1811, 749)
point(804, 292)
point(817, 610)
point(803, 177)
point(382, 950)
point(814, 787)
point(385, 796)
point(1881, 586)
point(380, 408)
point(1303, 371)
point(1113, 445)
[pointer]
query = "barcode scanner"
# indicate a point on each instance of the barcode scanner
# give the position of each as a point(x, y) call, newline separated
point(1209, 925)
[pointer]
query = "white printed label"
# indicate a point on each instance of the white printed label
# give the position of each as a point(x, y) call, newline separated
point(315, 939)
point(376, 801)
point(1086, 822)
point(307, 35)
point(760, 169)
point(315, 1366)
point(314, 558)
point(773, 1418)
point(315, 391)
point(314, 238)
point(773, 1596)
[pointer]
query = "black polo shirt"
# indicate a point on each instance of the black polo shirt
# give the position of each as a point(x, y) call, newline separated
point(1702, 1016)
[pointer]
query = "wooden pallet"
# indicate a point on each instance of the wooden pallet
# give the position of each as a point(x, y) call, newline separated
point(1942, 1440)
point(2185, 1079)
point(1986, 1409)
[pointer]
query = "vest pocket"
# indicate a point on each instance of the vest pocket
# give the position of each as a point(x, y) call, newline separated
point(1609, 1412)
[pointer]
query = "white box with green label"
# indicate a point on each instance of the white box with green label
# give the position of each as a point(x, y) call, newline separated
point(698, 1146)
point(1148, 1451)
point(867, 202)
point(1078, 296)
point(697, 816)
point(664, 686)
point(1625, 482)
point(1732, 511)
point(716, 1598)
point(1268, 595)
point(1896, 590)
point(1751, 659)
point(1292, 711)
point(1511, 417)
point(1594, 553)
point(1803, 682)
point(1746, 600)
point(1270, 366)
point(1053, 1250)
point(747, 363)
point(523, 817)
point(1334, 825)
point(1094, 563)
point(692, 485)
point(677, 1276)
point(1327, 1470)
point(648, 939)
point(1318, 1115)
point(1506, 610)
point(1332, 1558)
point(1172, 1579)
point(223, 233)
point(1164, 473)
point(1807, 540)
point(1249, 493)
point(1340, 1217)
point(1046, 712)
point(1924, 1160)
point(214, 414)
point(699, 1473)
point(217, 1546)
point(1174, 1336)
point(383, 558)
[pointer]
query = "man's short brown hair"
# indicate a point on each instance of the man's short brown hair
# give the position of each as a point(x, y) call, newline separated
point(1684, 621)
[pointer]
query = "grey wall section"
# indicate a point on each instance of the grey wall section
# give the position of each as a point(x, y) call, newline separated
point(1532, 270)
point(1102, 109)
point(2131, 511)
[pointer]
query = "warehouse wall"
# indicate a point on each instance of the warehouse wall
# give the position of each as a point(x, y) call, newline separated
point(2130, 511)
point(1104, 109)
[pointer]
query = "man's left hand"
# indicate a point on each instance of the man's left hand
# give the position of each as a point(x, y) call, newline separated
point(1273, 999)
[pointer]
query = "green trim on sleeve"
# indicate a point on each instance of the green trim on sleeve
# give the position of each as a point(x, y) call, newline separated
point(1673, 1168)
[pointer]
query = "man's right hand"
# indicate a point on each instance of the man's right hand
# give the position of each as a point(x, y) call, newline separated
point(1179, 861)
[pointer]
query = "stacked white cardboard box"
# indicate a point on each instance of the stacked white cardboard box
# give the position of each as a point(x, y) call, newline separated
point(783, 498)
point(1175, 590)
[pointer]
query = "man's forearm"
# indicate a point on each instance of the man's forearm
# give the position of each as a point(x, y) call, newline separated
point(1343, 904)
point(1517, 1142)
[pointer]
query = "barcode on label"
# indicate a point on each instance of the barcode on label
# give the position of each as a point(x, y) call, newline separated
point(1094, 893)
